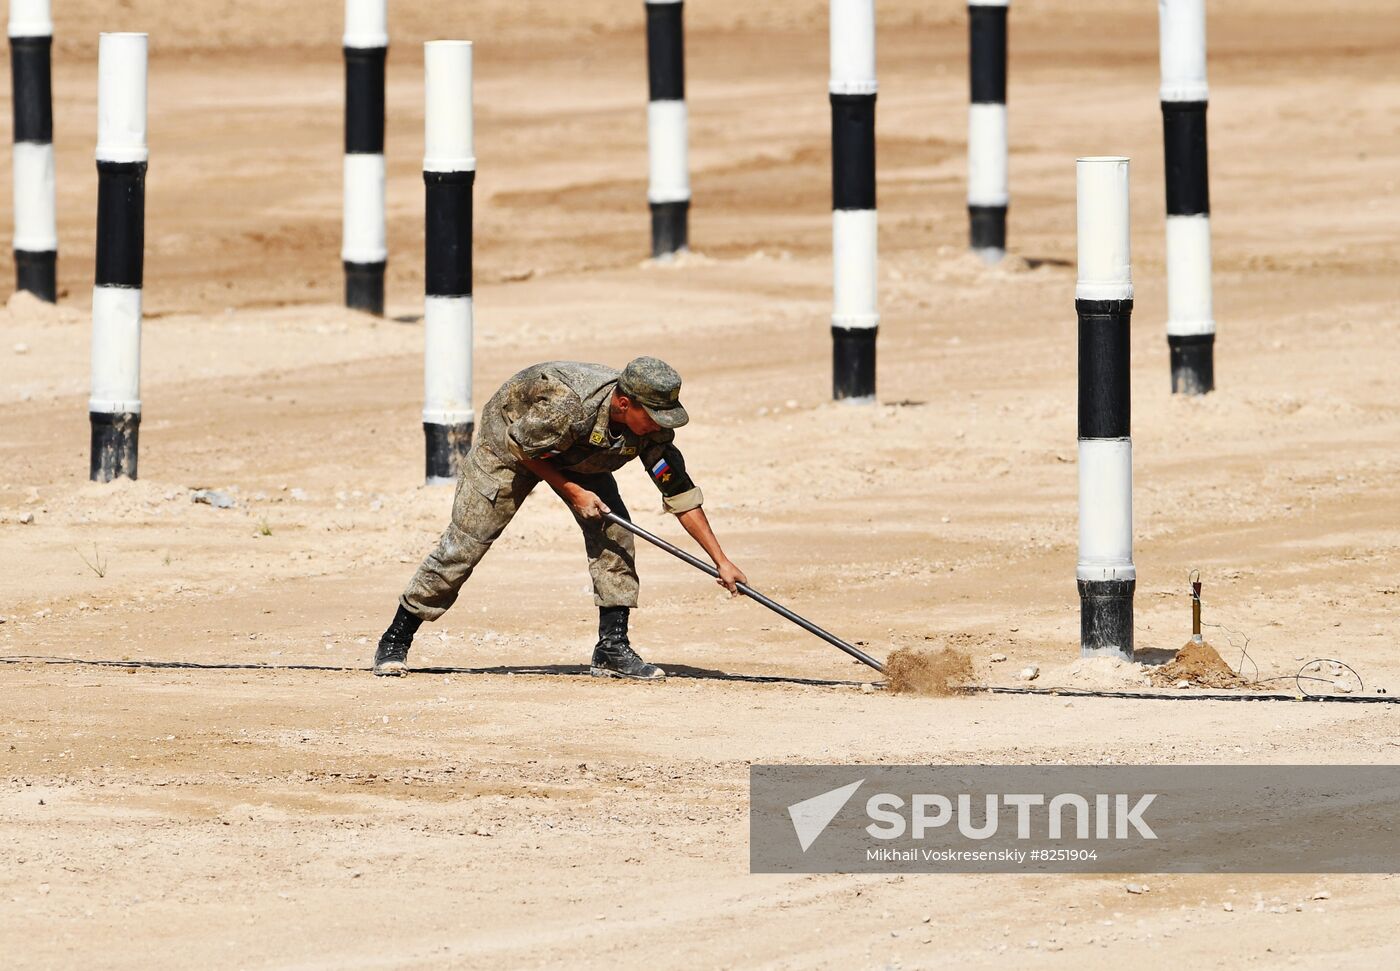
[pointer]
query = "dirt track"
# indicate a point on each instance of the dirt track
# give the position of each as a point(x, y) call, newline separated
point(513, 813)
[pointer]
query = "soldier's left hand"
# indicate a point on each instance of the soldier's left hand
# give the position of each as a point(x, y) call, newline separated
point(729, 576)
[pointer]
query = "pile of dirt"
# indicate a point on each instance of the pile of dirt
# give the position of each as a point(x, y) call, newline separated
point(935, 673)
point(1200, 664)
point(1105, 674)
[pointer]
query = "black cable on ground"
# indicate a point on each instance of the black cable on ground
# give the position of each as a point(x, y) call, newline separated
point(1181, 696)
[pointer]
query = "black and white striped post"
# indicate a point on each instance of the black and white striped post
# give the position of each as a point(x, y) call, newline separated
point(363, 249)
point(1190, 315)
point(668, 186)
point(36, 228)
point(988, 190)
point(1103, 299)
point(854, 319)
point(449, 170)
point(114, 407)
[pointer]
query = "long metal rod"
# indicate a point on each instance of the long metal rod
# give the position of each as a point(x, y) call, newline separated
point(747, 591)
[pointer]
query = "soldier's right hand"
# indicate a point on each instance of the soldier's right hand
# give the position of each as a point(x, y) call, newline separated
point(587, 505)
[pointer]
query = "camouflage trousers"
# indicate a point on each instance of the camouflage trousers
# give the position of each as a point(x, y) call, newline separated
point(483, 506)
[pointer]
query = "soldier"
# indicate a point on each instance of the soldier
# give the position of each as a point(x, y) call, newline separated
point(571, 425)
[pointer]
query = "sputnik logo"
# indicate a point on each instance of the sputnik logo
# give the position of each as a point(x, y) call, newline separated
point(810, 817)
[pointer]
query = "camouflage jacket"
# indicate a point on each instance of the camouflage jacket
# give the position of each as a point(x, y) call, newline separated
point(558, 411)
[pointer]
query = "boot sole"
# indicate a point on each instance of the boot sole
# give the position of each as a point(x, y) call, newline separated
point(598, 672)
point(391, 669)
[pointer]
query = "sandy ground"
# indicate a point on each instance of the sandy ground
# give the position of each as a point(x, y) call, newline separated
point(506, 811)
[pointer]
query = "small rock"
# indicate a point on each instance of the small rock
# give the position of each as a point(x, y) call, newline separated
point(1322, 895)
point(1029, 673)
point(1342, 687)
point(1228, 907)
point(1183, 683)
point(299, 495)
point(867, 688)
point(21, 348)
point(26, 518)
point(213, 497)
point(997, 658)
point(1137, 888)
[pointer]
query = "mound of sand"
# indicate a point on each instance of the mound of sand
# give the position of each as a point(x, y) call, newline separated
point(1105, 674)
point(24, 307)
point(1200, 664)
point(935, 673)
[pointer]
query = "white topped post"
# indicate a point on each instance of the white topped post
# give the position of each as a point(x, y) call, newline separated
point(114, 407)
point(855, 317)
point(1184, 94)
point(36, 224)
point(1105, 575)
point(449, 172)
point(364, 253)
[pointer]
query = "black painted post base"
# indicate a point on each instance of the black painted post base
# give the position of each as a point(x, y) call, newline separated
point(853, 363)
point(987, 231)
point(447, 447)
point(1193, 363)
point(37, 273)
point(670, 228)
point(364, 287)
point(114, 442)
point(1106, 618)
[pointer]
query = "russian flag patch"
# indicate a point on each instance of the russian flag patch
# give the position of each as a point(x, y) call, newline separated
point(661, 471)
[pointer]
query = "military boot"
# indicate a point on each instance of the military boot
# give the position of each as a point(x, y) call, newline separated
point(614, 657)
point(391, 657)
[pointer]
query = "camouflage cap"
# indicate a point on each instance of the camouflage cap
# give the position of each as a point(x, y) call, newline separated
point(655, 386)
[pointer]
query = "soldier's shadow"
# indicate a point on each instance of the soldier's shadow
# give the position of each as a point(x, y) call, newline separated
point(681, 671)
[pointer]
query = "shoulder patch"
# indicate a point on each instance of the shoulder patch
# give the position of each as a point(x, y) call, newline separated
point(597, 437)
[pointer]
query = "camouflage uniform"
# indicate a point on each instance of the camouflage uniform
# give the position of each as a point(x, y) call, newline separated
point(557, 411)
